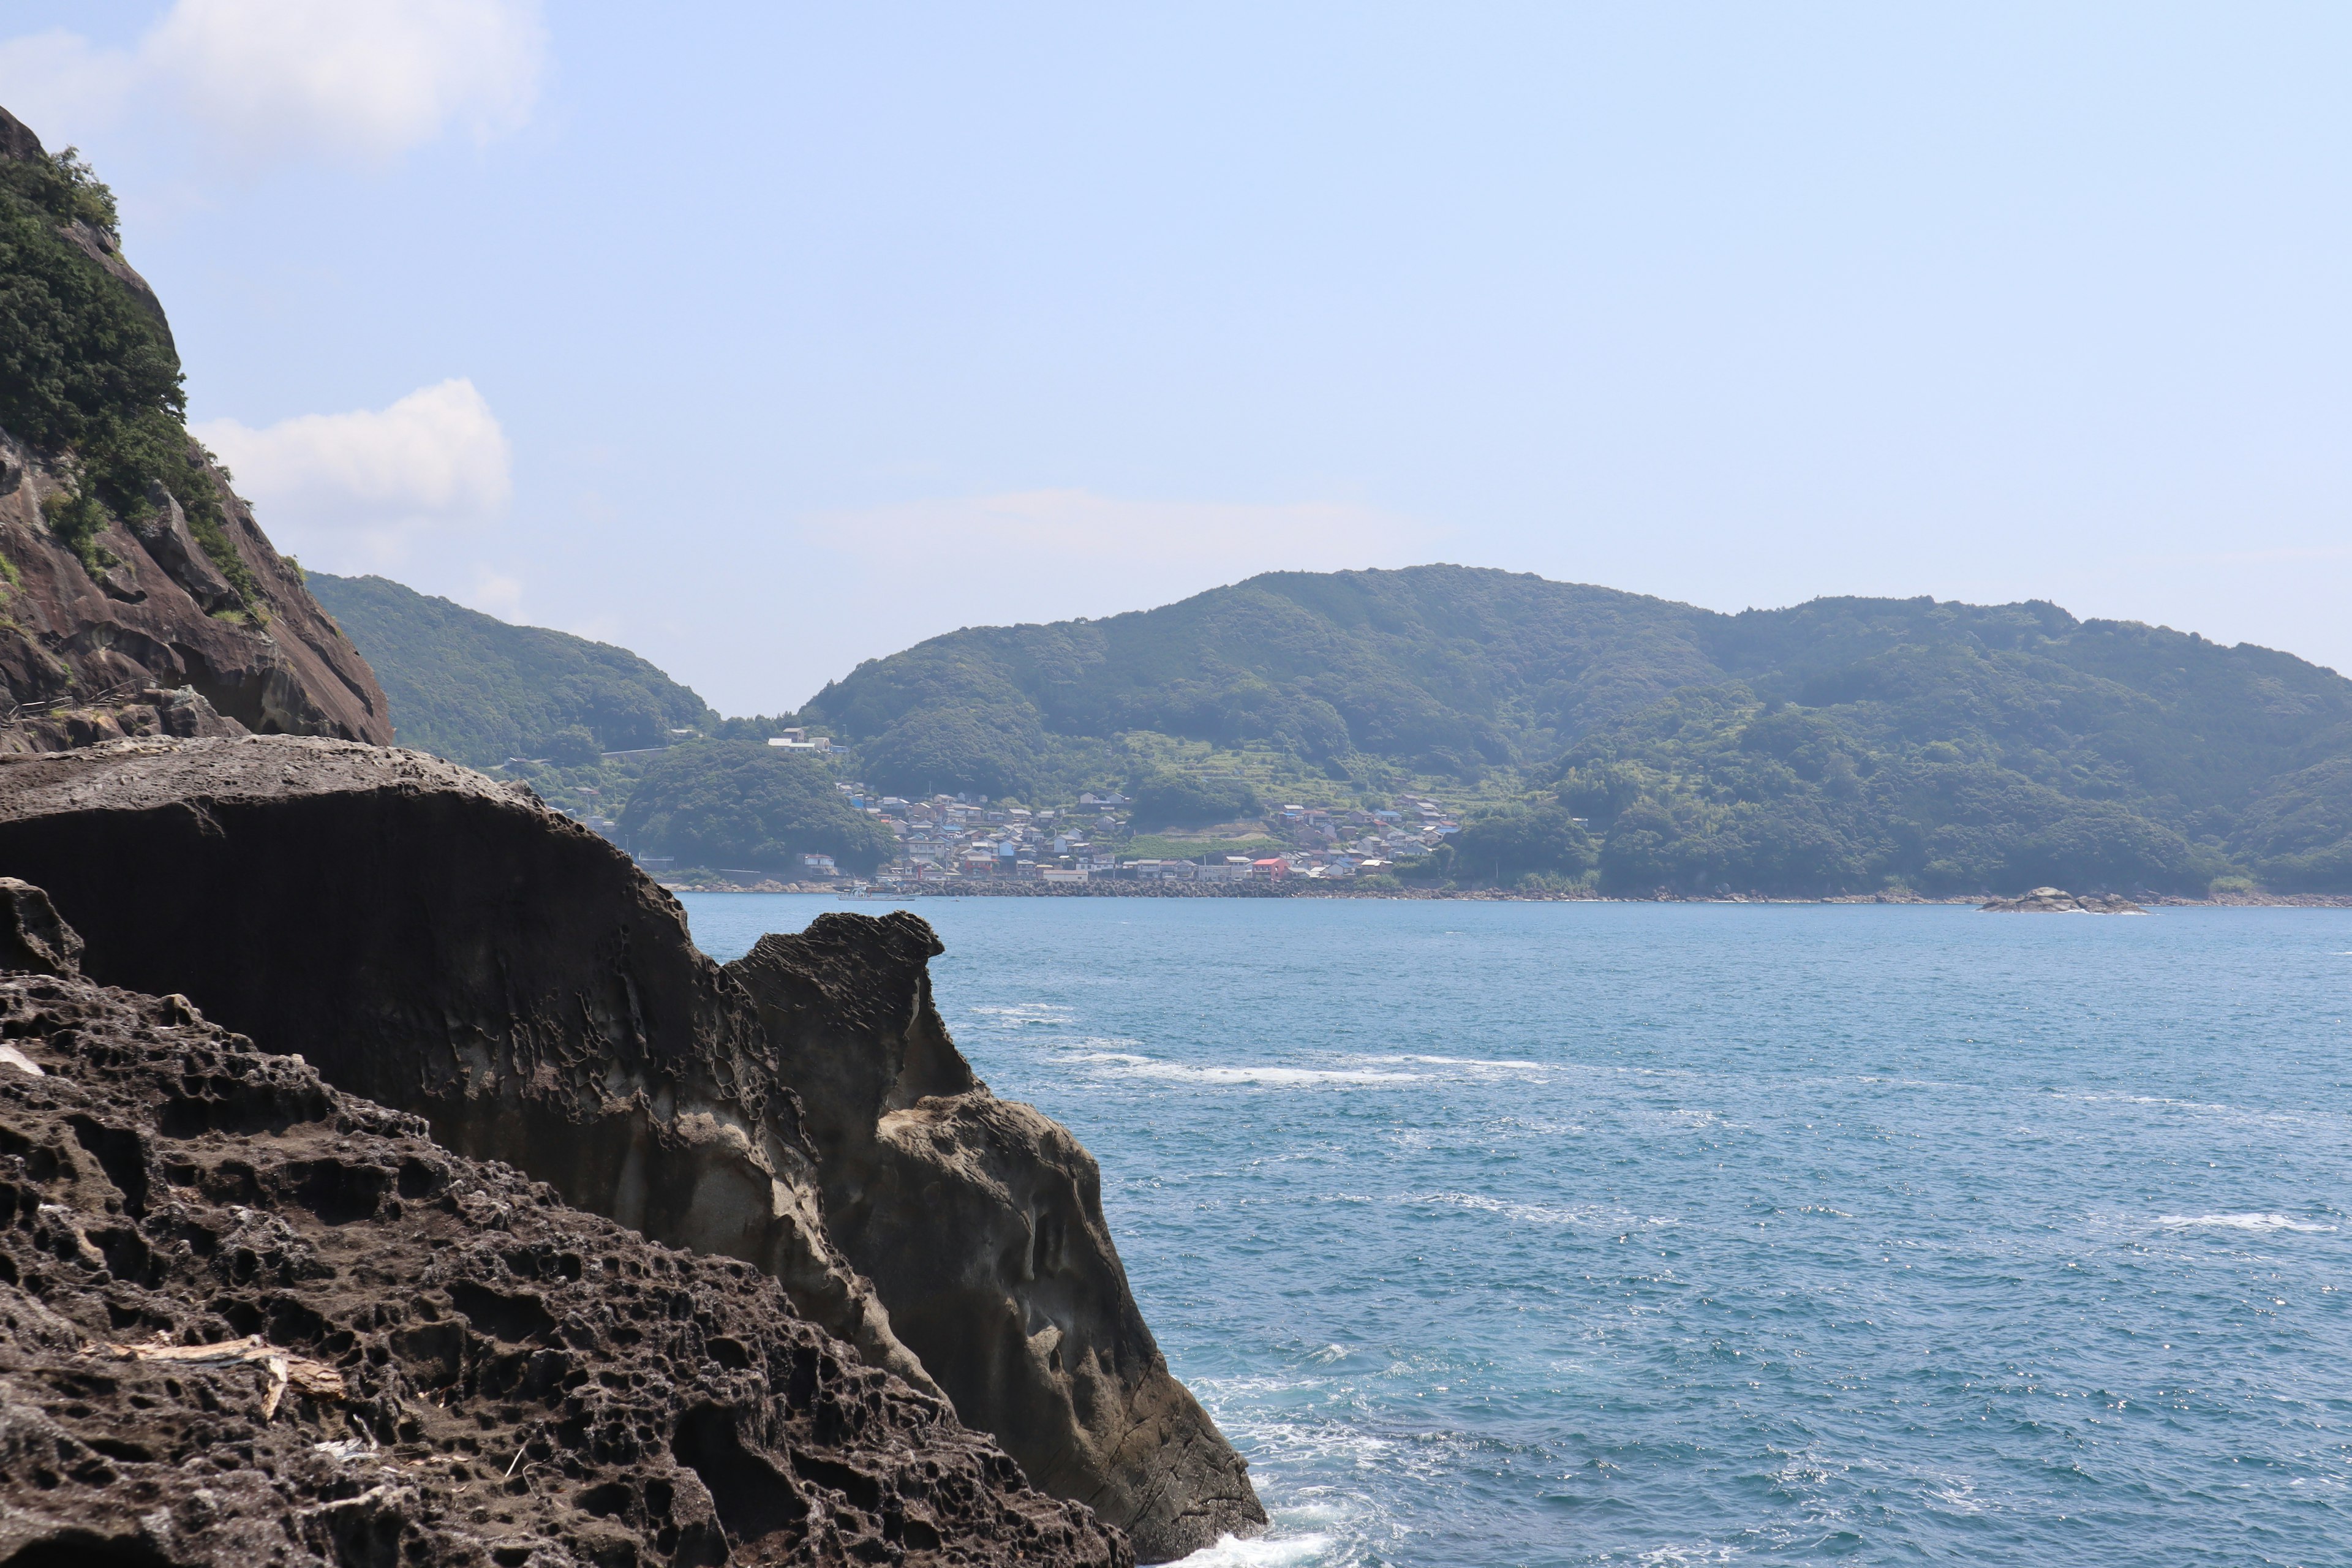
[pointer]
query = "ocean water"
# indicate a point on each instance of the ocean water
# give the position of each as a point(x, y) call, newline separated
point(1551, 1234)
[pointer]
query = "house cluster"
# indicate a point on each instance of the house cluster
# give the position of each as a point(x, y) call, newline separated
point(951, 836)
point(944, 837)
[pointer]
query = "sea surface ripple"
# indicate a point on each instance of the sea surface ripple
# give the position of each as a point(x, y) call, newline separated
point(1550, 1234)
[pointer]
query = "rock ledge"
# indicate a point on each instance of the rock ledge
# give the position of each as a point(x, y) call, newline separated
point(2059, 901)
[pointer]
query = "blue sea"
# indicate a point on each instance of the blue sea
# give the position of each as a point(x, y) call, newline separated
point(1549, 1234)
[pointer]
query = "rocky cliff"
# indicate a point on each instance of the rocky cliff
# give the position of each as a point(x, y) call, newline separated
point(448, 947)
point(250, 1319)
point(137, 594)
point(981, 1223)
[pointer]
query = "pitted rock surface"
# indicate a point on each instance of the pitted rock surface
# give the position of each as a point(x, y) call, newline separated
point(444, 945)
point(980, 1222)
point(480, 1376)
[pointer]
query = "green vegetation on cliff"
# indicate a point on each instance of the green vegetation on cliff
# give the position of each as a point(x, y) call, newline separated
point(473, 689)
point(87, 365)
point(1841, 745)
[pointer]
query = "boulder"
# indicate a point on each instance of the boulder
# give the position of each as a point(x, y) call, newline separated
point(980, 1222)
point(247, 1318)
point(32, 937)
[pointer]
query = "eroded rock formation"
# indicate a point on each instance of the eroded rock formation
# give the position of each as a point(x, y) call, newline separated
point(448, 946)
point(980, 1222)
point(250, 1319)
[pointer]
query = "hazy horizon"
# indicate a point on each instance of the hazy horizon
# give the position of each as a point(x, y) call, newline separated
point(762, 341)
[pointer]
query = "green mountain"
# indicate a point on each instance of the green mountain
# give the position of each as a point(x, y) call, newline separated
point(473, 689)
point(1841, 745)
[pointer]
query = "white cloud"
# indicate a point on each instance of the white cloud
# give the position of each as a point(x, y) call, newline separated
point(333, 486)
point(369, 79)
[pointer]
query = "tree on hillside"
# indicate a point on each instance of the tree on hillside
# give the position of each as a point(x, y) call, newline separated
point(1164, 798)
point(741, 803)
point(1519, 840)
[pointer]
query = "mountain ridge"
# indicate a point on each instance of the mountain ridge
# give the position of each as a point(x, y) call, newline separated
point(478, 689)
point(2140, 756)
point(1843, 745)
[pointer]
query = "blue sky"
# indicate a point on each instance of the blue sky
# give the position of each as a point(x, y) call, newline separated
point(765, 339)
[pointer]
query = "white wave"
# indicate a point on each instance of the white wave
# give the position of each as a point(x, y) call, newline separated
point(1265, 1552)
point(1686, 1556)
point(2255, 1222)
point(1123, 1065)
point(1540, 1213)
point(1024, 1010)
point(1466, 1062)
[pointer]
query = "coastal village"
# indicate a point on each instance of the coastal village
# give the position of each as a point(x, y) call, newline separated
point(966, 841)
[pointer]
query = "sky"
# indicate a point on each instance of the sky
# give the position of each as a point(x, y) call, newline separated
point(764, 339)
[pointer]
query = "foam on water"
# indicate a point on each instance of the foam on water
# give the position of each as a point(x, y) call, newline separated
point(1265, 1552)
point(1550, 1234)
point(1266, 1077)
point(2257, 1222)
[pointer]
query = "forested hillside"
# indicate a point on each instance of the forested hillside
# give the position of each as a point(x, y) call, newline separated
point(1841, 745)
point(473, 689)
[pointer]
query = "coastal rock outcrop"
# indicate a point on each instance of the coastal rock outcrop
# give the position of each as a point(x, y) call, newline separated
point(980, 1222)
point(2059, 901)
point(95, 640)
point(448, 946)
point(246, 1319)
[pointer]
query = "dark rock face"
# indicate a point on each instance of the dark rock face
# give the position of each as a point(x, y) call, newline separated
point(444, 945)
point(78, 654)
point(32, 937)
point(251, 1320)
point(448, 946)
point(980, 1222)
point(2058, 901)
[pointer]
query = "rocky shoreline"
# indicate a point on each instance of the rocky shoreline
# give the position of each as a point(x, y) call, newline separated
point(411, 953)
point(253, 1320)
